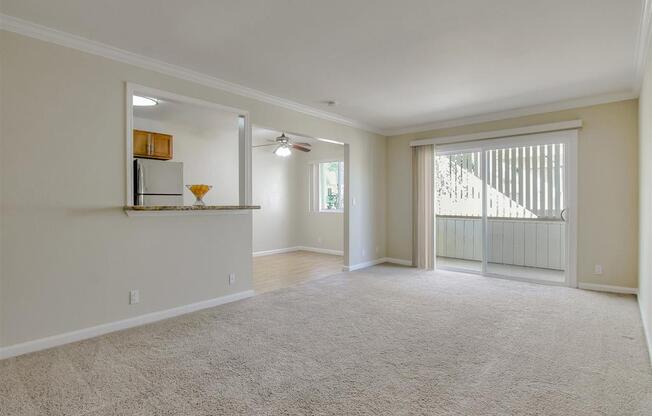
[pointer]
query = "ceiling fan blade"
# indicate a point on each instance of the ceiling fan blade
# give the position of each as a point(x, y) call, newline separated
point(301, 148)
point(302, 144)
point(262, 145)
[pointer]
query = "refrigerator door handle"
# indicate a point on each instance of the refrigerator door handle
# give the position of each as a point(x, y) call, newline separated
point(140, 178)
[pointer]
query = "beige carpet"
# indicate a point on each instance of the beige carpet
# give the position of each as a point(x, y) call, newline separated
point(382, 341)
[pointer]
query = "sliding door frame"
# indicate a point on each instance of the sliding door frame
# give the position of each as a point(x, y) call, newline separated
point(567, 137)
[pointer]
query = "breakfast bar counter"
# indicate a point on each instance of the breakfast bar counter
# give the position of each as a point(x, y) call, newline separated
point(170, 210)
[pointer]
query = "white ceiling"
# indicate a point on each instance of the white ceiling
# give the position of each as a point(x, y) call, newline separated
point(390, 64)
point(193, 118)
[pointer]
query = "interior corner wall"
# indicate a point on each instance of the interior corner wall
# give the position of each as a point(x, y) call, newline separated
point(70, 255)
point(645, 205)
point(607, 188)
point(275, 189)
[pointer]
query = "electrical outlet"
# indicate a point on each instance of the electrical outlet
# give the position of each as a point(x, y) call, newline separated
point(377, 249)
point(364, 252)
point(134, 297)
point(598, 269)
point(231, 278)
point(319, 239)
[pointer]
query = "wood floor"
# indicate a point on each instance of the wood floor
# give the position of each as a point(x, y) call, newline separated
point(287, 269)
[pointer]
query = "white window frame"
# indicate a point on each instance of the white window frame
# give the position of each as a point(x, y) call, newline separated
point(315, 203)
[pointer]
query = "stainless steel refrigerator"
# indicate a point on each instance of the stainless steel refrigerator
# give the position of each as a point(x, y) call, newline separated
point(158, 183)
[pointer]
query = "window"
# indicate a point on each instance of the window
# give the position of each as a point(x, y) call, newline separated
point(331, 186)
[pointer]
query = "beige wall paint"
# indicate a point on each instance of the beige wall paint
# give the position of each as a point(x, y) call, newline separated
point(607, 182)
point(274, 188)
point(645, 205)
point(281, 187)
point(70, 255)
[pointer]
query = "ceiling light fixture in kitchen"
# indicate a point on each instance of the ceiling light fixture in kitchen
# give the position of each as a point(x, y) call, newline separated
point(139, 101)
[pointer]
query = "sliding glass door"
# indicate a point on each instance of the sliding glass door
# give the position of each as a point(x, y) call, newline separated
point(503, 207)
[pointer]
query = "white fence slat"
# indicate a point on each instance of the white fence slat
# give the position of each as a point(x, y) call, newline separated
point(469, 239)
point(459, 238)
point(554, 241)
point(557, 206)
point(542, 245)
point(519, 243)
point(508, 242)
point(496, 242)
point(562, 246)
point(530, 244)
point(549, 210)
point(441, 237)
point(477, 240)
point(450, 238)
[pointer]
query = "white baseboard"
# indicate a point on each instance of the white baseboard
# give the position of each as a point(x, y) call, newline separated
point(381, 260)
point(363, 265)
point(298, 248)
point(398, 261)
point(81, 334)
point(322, 250)
point(608, 288)
point(647, 332)
point(276, 251)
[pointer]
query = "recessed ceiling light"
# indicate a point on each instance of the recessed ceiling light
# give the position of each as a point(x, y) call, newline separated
point(139, 101)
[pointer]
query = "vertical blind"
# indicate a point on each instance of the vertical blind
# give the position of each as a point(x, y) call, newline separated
point(522, 182)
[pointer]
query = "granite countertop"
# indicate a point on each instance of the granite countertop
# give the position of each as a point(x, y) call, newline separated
point(190, 207)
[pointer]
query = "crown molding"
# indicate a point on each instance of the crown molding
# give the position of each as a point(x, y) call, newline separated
point(642, 44)
point(519, 112)
point(36, 31)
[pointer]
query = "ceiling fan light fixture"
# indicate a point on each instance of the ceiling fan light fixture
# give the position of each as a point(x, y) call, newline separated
point(283, 151)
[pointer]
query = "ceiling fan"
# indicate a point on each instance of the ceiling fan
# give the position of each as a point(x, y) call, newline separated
point(284, 145)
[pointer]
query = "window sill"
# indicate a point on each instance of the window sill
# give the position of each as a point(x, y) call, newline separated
point(329, 212)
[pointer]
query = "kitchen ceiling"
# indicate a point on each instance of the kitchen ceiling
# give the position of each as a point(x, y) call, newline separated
point(389, 64)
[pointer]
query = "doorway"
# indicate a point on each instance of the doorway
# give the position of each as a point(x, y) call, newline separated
point(506, 207)
point(299, 233)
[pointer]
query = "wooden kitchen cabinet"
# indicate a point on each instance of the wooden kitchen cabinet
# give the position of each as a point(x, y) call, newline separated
point(151, 145)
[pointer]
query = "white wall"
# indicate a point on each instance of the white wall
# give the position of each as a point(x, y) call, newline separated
point(281, 186)
point(274, 188)
point(69, 253)
point(645, 205)
point(209, 156)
